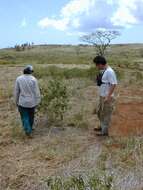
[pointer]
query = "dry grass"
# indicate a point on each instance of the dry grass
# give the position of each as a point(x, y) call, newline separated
point(74, 149)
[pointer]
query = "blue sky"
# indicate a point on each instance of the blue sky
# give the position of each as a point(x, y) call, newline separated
point(63, 21)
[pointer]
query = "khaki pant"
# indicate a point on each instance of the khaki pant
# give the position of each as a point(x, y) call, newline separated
point(104, 112)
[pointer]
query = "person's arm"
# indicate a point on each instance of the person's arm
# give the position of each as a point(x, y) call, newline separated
point(37, 93)
point(113, 83)
point(16, 92)
point(111, 91)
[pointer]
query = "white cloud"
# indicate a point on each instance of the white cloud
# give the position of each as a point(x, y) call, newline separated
point(125, 13)
point(23, 23)
point(77, 7)
point(89, 15)
point(60, 24)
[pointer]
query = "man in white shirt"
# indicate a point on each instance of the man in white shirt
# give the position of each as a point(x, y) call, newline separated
point(107, 82)
point(27, 97)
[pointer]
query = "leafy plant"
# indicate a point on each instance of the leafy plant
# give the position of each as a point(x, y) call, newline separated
point(80, 183)
point(55, 99)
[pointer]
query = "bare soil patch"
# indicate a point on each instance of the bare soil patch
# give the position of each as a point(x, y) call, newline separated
point(128, 119)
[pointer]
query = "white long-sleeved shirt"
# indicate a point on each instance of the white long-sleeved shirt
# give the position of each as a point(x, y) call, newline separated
point(27, 93)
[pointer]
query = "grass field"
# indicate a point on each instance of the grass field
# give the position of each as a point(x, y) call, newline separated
point(71, 153)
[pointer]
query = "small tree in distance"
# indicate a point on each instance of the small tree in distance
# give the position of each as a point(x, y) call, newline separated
point(101, 39)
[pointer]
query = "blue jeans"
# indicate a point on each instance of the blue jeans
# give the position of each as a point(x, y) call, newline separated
point(27, 118)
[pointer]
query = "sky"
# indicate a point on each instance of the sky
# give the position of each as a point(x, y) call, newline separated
point(64, 21)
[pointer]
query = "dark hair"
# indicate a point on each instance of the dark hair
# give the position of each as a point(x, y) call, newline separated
point(100, 60)
point(27, 72)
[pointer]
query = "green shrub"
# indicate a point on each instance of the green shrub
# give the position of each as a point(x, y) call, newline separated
point(92, 182)
point(55, 99)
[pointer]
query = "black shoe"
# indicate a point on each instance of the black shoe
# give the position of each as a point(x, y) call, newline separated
point(29, 135)
point(98, 129)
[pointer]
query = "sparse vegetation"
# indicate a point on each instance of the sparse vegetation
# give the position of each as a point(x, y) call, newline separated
point(71, 150)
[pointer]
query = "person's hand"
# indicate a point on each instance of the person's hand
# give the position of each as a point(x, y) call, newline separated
point(108, 99)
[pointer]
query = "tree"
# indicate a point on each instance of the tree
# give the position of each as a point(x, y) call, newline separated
point(17, 47)
point(101, 39)
point(24, 46)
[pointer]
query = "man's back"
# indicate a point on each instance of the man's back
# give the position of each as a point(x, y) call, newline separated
point(27, 91)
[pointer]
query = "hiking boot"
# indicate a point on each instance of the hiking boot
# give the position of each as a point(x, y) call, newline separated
point(29, 135)
point(102, 135)
point(98, 129)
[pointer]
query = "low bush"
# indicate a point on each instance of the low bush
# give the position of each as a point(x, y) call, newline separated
point(55, 99)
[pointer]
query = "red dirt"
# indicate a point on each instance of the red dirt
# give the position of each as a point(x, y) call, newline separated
point(127, 120)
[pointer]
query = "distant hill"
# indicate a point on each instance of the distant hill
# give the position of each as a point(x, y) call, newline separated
point(70, 54)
